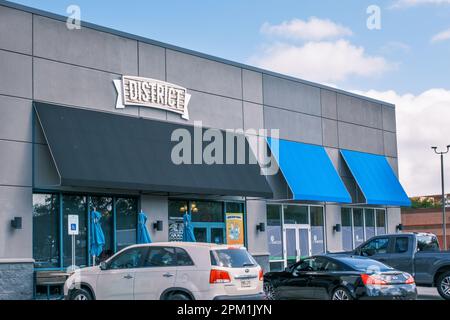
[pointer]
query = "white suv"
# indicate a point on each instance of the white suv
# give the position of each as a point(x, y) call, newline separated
point(171, 271)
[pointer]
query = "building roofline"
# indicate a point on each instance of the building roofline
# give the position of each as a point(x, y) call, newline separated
point(184, 50)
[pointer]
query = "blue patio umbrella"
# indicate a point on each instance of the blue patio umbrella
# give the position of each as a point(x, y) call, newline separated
point(188, 230)
point(143, 234)
point(97, 236)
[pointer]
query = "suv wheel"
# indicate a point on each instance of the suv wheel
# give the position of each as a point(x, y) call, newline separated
point(178, 296)
point(443, 285)
point(80, 294)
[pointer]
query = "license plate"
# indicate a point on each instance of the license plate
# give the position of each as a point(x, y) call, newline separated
point(246, 283)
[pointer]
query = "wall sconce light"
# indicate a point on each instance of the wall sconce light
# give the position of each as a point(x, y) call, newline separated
point(261, 227)
point(16, 223)
point(399, 227)
point(337, 228)
point(158, 225)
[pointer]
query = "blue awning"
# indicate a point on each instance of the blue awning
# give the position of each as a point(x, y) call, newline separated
point(376, 179)
point(308, 171)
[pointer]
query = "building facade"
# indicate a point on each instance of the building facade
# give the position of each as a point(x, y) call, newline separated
point(57, 161)
point(427, 219)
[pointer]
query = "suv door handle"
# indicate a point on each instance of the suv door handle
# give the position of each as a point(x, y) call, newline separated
point(128, 276)
point(168, 275)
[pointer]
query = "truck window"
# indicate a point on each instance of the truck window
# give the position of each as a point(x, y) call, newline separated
point(379, 245)
point(427, 243)
point(401, 245)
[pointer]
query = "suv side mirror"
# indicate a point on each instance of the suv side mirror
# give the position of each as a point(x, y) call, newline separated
point(103, 265)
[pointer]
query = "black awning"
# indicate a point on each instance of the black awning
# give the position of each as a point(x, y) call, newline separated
point(104, 150)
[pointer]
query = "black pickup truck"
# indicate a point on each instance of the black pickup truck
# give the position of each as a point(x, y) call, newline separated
point(415, 253)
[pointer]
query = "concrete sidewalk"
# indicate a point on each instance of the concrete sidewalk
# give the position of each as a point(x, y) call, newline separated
point(426, 293)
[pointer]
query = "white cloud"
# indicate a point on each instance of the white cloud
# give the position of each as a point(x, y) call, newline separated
point(413, 3)
point(326, 61)
point(395, 46)
point(422, 122)
point(441, 36)
point(313, 29)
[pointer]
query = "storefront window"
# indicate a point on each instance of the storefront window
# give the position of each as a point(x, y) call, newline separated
point(46, 251)
point(104, 205)
point(347, 234)
point(358, 225)
point(381, 221)
point(206, 211)
point(50, 223)
point(294, 214)
point(75, 205)
point(274, 233)
point(126, 222)
point(317, 230)
point(234, 207)
point(176, 211)
point(208, 220)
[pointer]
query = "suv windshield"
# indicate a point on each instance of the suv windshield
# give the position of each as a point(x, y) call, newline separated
point(427, 243)
point(232, 258)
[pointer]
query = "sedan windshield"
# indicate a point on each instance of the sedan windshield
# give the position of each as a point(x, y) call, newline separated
point(365, 265)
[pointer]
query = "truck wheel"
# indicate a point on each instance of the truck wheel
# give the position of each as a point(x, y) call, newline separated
point(443, 285)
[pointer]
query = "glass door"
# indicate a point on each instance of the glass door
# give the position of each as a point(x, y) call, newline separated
point(209, 232)
point(291, 245)
point(304, 234)
point(297, 244)
point(201, 234)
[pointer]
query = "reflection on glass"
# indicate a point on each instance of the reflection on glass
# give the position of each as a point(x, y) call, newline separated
point(291, 246)
point(46, 230)
point(217, 235)
point(303, 236)
point(294, 214)
point(75, 205)
point(346, 229)
point(381, 221)
point(177, 209)
point(317, 230)
point(104, 205)
point(206, 211)
point(274, 235)
point(234, 207)
point(358, 222)
point(370, 223)
point(126, 222)
point(200, 234)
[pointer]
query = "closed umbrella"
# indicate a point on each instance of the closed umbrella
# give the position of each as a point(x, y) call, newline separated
point(143, 234)
point(188, 230)
point(97, 236)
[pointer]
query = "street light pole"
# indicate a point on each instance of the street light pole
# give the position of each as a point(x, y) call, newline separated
point(444, 224)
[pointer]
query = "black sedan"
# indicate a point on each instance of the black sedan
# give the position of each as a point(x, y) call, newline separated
point(339, 277)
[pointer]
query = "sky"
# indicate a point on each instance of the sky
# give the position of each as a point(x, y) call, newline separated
point(393, 50)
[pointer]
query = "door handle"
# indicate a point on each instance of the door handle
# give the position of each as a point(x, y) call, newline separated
point(168, 275)
point(128, 276)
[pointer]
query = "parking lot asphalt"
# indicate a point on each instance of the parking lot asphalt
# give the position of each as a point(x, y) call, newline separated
point(428, 294)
